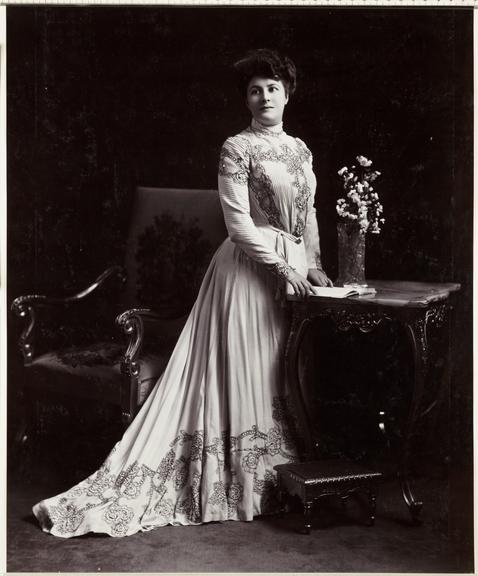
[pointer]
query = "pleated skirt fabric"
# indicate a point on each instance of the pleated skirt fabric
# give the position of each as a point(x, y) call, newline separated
point(203, 446)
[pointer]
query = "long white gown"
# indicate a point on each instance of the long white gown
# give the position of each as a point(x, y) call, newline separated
point(204, 444)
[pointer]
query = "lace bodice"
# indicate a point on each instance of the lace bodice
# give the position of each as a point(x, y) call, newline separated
point(266, 179)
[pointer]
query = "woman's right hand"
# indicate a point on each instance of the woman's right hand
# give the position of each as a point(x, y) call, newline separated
point(302, 287)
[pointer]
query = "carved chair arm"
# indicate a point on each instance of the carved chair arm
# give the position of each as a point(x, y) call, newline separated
point(24, 307)
point(21, 302)
point(133, 322)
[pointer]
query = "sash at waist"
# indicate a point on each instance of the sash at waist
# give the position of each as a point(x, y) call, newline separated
point(283, 233)
point(289, 247)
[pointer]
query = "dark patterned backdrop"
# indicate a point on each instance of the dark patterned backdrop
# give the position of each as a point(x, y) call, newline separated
point(103, 98)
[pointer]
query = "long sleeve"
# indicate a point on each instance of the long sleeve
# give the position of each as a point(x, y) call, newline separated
point(311, 237)
point(234, 195)
point(311, 231)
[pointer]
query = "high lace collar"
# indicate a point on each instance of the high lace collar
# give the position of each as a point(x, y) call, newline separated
point(275, 130)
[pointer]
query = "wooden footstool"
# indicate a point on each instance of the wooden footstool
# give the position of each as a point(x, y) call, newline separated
point(313, 480)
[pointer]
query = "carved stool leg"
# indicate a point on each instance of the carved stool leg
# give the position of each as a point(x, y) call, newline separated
point(307, 517)
point(282, 502)
point(373, 506)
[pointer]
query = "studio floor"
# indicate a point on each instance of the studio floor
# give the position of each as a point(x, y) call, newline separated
point(339, 542)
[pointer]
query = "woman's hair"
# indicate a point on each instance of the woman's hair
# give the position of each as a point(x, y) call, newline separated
point(267, 64)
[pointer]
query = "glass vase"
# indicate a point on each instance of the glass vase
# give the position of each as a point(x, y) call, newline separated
point(351, 252)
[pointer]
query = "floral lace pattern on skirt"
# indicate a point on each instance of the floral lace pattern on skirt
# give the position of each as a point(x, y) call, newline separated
point(174, 492)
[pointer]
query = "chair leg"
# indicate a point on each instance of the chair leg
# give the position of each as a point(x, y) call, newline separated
point(25, 434)
point(22, 434)
point(29, 423)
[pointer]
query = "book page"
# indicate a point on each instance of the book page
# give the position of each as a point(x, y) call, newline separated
point(334, 292)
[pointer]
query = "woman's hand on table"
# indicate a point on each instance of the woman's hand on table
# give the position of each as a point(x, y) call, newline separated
point(319, 277)
point(302, 287)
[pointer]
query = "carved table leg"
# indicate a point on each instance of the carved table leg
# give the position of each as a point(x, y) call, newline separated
point(417, 333)
point(441, 317)
point(296, 335)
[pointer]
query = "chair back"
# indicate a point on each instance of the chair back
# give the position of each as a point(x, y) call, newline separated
point(173, 235)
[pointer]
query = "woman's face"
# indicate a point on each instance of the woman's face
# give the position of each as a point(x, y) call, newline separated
point(266, 99)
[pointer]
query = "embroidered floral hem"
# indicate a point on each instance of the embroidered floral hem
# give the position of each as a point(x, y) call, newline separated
point(142, 498)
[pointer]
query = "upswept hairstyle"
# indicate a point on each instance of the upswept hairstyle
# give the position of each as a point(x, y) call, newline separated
point(268, 64)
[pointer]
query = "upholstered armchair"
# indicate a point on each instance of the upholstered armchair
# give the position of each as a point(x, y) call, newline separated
point(173, 235)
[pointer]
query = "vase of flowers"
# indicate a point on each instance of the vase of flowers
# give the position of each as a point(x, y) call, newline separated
point(360, 212)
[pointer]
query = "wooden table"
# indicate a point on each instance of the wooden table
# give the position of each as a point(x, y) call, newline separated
point(417, 306)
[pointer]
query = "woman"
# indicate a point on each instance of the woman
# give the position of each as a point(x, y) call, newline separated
point(204, 444)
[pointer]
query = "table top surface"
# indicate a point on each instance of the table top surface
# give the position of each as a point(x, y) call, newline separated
point(392, 293)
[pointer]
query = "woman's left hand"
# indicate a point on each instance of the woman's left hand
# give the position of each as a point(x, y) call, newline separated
point(318, 278)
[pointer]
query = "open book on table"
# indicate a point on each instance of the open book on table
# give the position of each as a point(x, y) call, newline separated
point(338, 291)
point(342, 291)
